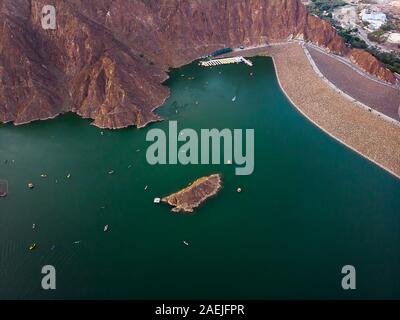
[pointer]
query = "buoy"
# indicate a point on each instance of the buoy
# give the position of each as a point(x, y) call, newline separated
point(239, 190)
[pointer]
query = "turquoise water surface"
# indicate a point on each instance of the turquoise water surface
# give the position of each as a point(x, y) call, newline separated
point(310, 207)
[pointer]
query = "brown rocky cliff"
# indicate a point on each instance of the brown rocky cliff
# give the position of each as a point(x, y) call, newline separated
point(107, 59)
point(370, 64)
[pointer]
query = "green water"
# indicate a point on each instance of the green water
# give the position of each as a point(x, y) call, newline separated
point(310, 207)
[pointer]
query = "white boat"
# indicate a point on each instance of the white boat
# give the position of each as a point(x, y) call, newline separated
point(234, 99)
point(157, 200)
point(185, 243)
point(105, 227)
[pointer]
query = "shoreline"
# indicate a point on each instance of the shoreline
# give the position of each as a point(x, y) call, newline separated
point(391, 166)
point(352, 123)
point(397, 175)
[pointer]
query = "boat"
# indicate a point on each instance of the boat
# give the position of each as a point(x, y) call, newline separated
point(145, 188)
point(111, 172)
point(185, 243)
point(105, 227)
point(43, 175)
point(157, 200)
point(68, 175)
point(33, 226)
point(32, 246)
point(234, 99)
point(30, 185)
point(77, 242)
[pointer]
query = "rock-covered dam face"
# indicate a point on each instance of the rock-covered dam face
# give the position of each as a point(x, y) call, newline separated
point(106, 60)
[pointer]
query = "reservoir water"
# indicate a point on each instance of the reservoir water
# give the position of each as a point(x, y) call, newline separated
point(310, 207)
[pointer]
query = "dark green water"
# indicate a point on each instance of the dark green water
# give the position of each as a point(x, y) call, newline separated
point(310, 207)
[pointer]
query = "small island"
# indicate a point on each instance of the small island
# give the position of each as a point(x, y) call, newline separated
point(189, 198)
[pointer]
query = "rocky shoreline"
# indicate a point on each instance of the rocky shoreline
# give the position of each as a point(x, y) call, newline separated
point(189, 198)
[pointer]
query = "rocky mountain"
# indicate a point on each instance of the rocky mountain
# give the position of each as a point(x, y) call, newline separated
point(107, 59)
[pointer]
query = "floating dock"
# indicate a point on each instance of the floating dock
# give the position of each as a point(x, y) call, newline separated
point(217, 62)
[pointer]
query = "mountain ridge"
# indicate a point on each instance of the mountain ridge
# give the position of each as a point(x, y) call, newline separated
point(107, 61)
